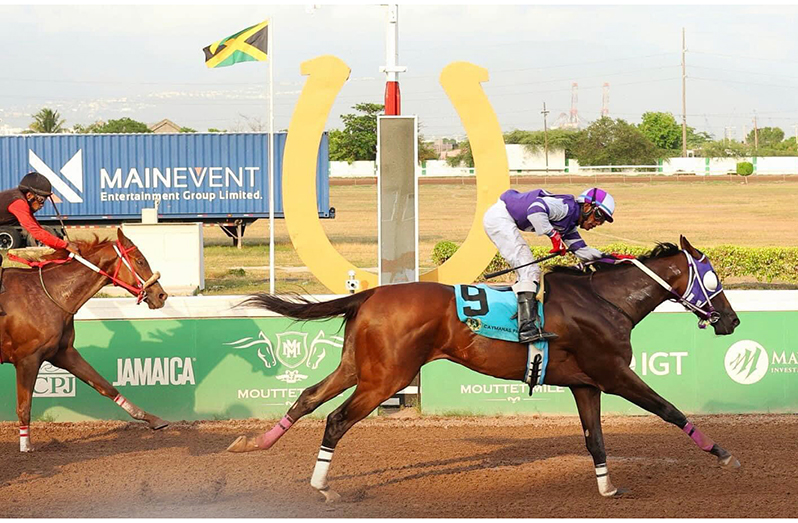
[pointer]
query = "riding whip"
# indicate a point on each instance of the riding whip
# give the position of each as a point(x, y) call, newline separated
point(63, 227)
point(505, 271)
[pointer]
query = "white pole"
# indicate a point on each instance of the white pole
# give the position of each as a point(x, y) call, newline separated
point(270, 46)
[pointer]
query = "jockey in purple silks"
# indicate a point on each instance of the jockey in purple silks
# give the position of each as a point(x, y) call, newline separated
point(557, 216)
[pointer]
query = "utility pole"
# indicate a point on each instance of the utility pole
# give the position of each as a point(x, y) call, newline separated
point(545, 114)
point(756, 135)
point(684, 98)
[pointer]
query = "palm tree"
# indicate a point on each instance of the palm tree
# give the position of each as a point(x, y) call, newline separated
point(47, 121)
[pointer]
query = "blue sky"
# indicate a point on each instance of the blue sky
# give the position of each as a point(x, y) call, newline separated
point(94, 62)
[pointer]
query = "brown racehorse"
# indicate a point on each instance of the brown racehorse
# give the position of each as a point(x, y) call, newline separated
point(38, 323)
point(391, 331)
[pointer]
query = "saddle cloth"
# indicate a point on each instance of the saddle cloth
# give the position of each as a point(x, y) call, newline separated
point(492, 313)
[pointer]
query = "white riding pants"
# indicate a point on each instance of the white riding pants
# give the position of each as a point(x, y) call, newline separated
point(504, 233)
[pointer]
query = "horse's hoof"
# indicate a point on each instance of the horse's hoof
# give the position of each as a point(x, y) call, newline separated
point(330, 496)
point(729, 462)
point(158, 424)
point(242, 444)
point(609, 493)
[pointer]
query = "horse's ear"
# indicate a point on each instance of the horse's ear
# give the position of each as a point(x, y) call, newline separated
point(689, 248)
point(120, 235)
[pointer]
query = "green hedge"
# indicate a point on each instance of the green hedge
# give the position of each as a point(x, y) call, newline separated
point(766, 264)
point(745, 168)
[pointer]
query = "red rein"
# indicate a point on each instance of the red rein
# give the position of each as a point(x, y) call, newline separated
point(122, 254)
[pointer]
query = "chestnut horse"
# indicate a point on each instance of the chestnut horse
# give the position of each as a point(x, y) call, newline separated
point(391, 331)
point(38, 322)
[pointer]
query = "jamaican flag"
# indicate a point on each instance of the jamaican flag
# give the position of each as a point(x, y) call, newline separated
point(248, 45)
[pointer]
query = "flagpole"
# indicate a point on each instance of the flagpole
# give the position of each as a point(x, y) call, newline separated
point(270, 47)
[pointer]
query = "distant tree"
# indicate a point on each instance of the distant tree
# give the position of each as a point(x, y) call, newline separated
point(613, 142)
point(358, 139)
point(426, 150)
point(215, 130)
point(536, 140)
point(697, 138)
point(662, 130)
point(464, 158)
point(722, 149)
point(187, 130)
point(46, 121)
point(768, 137)
point(122, 125)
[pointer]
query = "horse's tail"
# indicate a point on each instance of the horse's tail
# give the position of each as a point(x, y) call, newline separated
point(302, 308)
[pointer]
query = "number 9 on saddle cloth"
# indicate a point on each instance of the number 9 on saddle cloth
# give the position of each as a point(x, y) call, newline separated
point(489, 311)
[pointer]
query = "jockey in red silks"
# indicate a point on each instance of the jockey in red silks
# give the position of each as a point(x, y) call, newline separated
point(557, 216)
point(18, 206)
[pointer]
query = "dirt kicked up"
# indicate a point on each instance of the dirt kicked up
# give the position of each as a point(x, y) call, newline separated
point(516, 467)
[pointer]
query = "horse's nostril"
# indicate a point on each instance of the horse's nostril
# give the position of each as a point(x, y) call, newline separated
point(163, 296)
point(736, 322)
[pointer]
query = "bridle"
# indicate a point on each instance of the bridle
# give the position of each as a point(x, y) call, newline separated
point(696, 287)
point(123, 258)
point(696, 298)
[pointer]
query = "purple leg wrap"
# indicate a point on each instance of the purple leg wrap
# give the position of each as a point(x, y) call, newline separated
point(267, 439)
point(703, 442)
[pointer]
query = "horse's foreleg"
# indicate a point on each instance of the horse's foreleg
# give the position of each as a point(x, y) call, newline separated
point(588, 402)
point(311, 398)
point(628, 385)
point(366, 397)
point(27, 370)
point(71, 360)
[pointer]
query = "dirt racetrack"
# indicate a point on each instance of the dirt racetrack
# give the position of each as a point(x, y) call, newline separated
point(390, 467)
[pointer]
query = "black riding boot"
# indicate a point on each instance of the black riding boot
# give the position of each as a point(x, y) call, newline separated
point(528, 320)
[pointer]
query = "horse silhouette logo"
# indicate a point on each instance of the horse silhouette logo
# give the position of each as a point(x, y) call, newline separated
point(290, 351)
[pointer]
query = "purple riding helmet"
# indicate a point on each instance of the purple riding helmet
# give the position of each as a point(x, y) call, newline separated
point(703, 284)
point(603, 202)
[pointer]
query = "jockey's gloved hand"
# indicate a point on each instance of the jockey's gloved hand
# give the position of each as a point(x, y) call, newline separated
point(73, 248)
point(558, 246)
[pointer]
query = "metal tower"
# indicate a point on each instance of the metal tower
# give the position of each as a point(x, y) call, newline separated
point(605, 100)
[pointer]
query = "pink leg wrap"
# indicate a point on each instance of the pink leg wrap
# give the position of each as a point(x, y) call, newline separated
point(267, 439)
point(703, 442)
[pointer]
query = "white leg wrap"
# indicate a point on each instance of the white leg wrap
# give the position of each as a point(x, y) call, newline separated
point(319, 478)
point(24, 440)
point(606, 488)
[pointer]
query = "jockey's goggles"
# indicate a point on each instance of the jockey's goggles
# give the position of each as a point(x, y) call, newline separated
point(600, 215)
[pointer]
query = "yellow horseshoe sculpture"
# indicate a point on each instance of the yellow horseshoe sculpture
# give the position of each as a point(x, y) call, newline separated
point(461, 81)
point(327, 74)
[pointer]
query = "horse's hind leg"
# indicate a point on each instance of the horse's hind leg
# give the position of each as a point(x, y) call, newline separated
point(629, 385)
point(27, 371)
point(69, 359)
point(588, 402)
point(311, 398)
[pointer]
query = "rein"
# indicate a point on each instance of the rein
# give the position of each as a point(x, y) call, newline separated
point(123, 258)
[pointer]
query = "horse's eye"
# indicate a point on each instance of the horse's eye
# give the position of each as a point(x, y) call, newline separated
point(710, 281)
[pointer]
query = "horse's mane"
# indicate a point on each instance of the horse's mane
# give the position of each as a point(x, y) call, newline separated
point(662, 250)
point(86, 247)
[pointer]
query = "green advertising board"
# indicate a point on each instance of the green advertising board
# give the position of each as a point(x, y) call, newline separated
point(240, 367)
point(188, 369)
point(753, 370)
